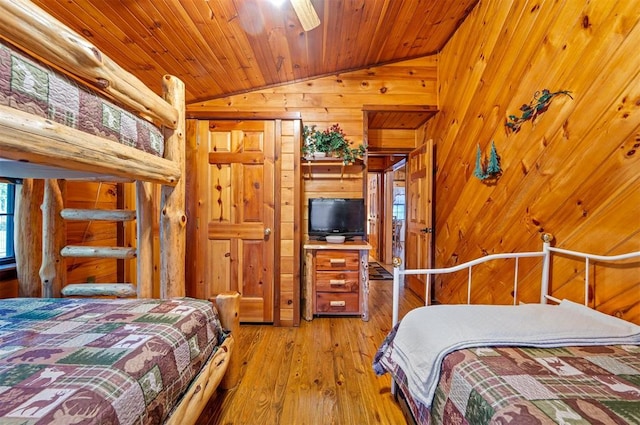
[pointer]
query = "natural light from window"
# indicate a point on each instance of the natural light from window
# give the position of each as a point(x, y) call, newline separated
point(6, 222)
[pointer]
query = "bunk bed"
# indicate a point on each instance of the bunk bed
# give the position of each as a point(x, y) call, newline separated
point(556, 361)
point(94, 360)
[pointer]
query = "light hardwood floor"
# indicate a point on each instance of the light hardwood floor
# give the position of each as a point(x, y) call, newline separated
point(318, 373)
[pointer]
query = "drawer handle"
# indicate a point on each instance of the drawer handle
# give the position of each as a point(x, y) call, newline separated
point(338, 261)
point(337, 303)
point(337, 282)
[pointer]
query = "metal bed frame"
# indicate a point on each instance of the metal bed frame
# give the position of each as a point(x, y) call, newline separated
point(546, 254)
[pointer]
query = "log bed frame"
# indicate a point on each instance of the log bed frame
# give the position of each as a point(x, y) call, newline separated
point(35, 140)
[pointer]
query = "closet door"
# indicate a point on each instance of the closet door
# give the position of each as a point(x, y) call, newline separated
point(239, 190)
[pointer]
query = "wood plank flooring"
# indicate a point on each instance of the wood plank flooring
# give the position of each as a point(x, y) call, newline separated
point(318, 373)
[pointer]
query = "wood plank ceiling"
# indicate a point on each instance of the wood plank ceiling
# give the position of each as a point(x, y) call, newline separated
point(223, 47)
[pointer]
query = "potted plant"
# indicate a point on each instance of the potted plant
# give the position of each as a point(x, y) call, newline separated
point(330, 142)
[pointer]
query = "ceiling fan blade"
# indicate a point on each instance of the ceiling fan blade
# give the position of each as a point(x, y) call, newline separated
point(306, 14)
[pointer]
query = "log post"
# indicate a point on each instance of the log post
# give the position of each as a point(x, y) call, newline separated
point(54, 236)
point(228, 305)
point(144, 242)
point(28, 237)
point(173, 219)
point(307, 282)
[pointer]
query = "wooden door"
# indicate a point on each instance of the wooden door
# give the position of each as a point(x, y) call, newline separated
point(240, 225)
point(419, 203)
point(373, 214)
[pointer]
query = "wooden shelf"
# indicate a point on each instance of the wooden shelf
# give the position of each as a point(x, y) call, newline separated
point(330, 166)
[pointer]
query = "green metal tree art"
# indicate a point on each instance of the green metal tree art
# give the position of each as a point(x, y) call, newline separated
point(488, 170)
point(479, 170)
point(493, 167)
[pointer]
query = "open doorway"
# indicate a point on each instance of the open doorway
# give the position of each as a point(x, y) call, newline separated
point(398, 214)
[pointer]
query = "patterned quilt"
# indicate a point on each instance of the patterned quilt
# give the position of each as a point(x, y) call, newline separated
point(92, 361)
point(506, 385)
point(32, 87)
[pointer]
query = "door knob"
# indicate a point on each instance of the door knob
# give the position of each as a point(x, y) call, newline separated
point(267, 231)
point(426, 230)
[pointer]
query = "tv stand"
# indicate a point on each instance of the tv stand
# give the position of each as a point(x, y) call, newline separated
point(336, 279)
point(324, 238)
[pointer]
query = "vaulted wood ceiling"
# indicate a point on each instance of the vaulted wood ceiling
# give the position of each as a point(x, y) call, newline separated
point(223, 47)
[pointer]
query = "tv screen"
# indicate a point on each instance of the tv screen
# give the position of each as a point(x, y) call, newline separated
point(336, 216)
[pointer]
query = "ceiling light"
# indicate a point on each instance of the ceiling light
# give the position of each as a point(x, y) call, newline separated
point(306, 14)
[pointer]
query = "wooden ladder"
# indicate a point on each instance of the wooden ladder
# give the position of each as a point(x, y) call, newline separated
point(115, 290)
point(54, 247)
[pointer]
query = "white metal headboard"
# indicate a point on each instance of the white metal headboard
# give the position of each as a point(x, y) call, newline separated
point(546, 254)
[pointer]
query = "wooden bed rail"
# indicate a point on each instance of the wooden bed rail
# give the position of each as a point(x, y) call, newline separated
point(546, 254)
point(228, 304)
point(28, 137)
point(32, 29)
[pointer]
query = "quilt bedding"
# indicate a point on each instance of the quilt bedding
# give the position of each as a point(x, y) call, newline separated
point(520, 385)
point(32, 87)
point(452, 364)
point(94, 361)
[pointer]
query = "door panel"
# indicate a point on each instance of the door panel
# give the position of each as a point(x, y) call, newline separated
point(373, 232)
point(240, 191)
point(419, 221)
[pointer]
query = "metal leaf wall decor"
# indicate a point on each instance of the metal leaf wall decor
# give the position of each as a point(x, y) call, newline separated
point(539, 104)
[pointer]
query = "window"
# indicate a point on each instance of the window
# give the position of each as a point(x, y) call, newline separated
point(7, 203)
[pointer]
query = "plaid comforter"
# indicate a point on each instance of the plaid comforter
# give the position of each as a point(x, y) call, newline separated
point(32, 87)
point(570, 385)
point(100, 361)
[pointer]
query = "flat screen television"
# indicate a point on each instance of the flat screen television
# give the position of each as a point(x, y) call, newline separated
point(336, 216)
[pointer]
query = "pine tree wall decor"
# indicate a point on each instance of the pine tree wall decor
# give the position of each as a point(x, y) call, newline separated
point(488, 169)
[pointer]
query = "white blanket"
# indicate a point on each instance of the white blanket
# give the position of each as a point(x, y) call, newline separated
point(427, 334)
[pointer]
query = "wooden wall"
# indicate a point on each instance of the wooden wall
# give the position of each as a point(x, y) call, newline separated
point(340, 99)
point(8, 286)
point(574, 172)
point(288, 294)
point(386, 140)
point(91, 195)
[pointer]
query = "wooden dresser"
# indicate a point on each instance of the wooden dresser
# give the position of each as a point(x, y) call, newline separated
point(336, 279)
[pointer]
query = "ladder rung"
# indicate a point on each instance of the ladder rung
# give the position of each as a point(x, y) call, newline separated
point(103, 215)
point(119, 290)
point(98, 251)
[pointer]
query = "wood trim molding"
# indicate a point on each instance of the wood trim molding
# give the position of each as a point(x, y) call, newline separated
point(245, 116)
point(400, 108)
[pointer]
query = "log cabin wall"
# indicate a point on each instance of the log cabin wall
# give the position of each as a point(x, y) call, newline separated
point(324, 102)
point(573, 172)
point(340, 99)
point(391, 139)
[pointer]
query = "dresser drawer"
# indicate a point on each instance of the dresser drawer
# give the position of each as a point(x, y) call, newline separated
point(336, 302)
point(337, 260)
point(337, 281)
